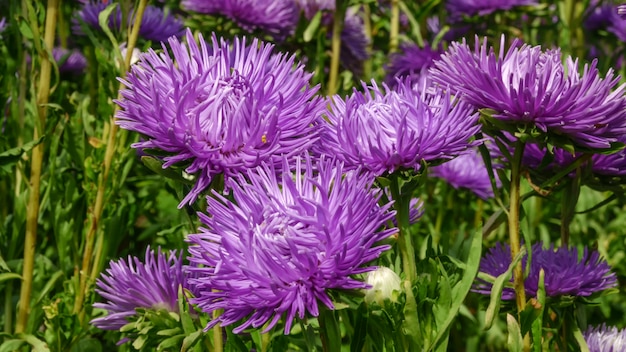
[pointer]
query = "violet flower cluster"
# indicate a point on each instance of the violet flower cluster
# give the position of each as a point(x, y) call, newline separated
point(276, 249)
point(567, 273)
point(385, 131)
point(219, 108)
point(130, 284)
point(530, 87)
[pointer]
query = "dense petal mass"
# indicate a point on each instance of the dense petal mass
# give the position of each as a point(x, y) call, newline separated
point(220, 108)
point(566, 272)
point(605, 339)
point(397, 129)
point(532, 87)
point(285, 240)
point(130, 284)
point(468, 171)
point(69, 61)
point(278, 17)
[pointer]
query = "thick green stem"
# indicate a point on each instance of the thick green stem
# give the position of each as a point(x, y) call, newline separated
point(218, 341)
point(514, 231)
point(32, 210)
point(394, 29)
point(333, 75)
point(405, 241)
point(97, 208)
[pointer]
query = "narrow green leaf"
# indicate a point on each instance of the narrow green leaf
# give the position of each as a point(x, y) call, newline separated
point(496, 290)
point(14, 154)
point(360, 329)
point(537, 328)
point(580, 339)
point(311, 29)
point(11, 345)
point(514, 340)
point(191, 340)
point(9, 276)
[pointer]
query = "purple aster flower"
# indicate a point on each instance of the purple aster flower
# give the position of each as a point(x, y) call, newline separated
point(311, 7)
point(606, 17)
point(220, 110)
point(566, 273)
point(531, 87)
point(468, 171)
point(130, 284)
point(156, 25)
point(397, 129)
point(3, 24)
point(69, 61)
point(411, 62)
point(277, 17)
point(605, 339)
point(276, 249)
point(460, 8)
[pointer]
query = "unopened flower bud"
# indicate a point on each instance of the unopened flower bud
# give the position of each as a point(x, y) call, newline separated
point(385, 285)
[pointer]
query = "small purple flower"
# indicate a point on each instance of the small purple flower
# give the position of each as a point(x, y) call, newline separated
point(69, 61)
point(130, 284)
point(605, 339)
point(354, 41)
point(607, 17)
point(411, 62)
point(220, 108)
point(156, 25)
point(398, 129)
point(460, 8)
point(277, 17)
point(3, 24)
point(468, 171)
point(275, 250)
point(621, 11)
point(566, 273)
point(531, 87)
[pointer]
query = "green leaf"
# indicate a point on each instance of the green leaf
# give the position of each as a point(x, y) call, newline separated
point(171, 343)
point(329, 330)
point(38, 345)
point(9, 276)
point(14, 154)
point(537, 327)
point(360, 329)
point(103, 21)
point(11, 345)
point(496, 290)
point(191, 340)
point(311, 29)
point(514, 340)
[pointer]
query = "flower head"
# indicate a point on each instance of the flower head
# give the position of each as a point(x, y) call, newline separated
point(220, 110)
point(566, 272)
point(284, 241)
point(69, 61)
point(532, 87)
point(277, 17)
point(412, 62)
point(384, 282)
point(621, 10)
point(130, 284)
point(396, 129)
point(354, 41)
point(460, 8)
point(605, 339)
point(468, 171)
point(156, 25)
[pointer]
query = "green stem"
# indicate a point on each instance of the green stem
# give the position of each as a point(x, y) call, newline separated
point(367, 27)
point(394, 29)
point(330, 333)
point(405, 242)
point(96, 213)
point(333, 76)
point(568, 206)
point(218, 341)
point(514, 228)
point(32, 210)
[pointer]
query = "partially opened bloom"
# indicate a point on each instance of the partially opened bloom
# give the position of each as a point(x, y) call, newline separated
point(277, 17)
point(130, 284)
point(605, 339)
point(566, 271)
point(219, 109)
point(156, 25)
point(459, 8)
point(385, 131)
point(467, 171)
point(284, 241)
point(530, 87)
point(3, 24)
